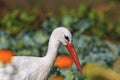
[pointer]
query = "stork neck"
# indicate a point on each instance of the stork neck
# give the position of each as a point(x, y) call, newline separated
point(52, 48)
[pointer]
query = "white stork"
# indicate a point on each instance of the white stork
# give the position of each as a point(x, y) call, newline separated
point(38, 68)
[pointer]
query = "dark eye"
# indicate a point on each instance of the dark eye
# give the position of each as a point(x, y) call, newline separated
point(67, 38)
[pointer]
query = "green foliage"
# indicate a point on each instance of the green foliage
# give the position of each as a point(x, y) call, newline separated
point(17, 20)
point(82, 11)
point(117, 28)
point(100, 22)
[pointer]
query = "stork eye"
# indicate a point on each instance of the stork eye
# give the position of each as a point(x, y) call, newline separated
point(67, 38)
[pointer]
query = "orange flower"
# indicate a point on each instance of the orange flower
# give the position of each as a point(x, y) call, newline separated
point(63, 61)
point(56, 78)
point(5, 56)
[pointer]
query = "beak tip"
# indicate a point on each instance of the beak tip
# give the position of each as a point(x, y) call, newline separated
point(72, 51)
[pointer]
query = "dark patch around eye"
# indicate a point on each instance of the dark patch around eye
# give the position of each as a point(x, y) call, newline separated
point(67, 38)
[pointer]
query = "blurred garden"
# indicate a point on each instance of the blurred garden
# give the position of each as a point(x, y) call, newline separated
point(26, 25)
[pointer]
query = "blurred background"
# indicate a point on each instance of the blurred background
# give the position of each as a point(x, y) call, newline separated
point(25, 27)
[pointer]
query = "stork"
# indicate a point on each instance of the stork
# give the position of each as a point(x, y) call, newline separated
point(38, 68)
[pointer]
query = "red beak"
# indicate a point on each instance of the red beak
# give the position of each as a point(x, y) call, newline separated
point(72, 52)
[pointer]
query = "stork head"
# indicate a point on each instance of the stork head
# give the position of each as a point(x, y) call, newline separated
point(63, 35)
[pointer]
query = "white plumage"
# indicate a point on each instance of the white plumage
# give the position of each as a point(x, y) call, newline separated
point(38, 68)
